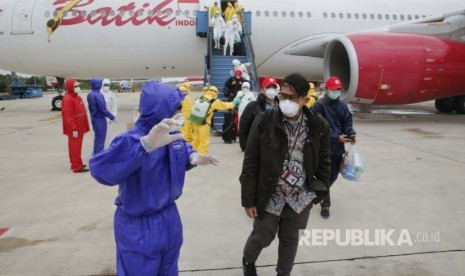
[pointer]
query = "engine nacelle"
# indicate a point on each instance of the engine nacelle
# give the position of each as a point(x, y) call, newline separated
point(392, 68)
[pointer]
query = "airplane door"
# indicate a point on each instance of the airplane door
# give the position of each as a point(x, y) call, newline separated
point(22, 17)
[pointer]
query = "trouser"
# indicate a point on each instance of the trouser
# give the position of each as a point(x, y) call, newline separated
point(217, 36)
point(228, 40)
point(100, 130)
point(287, 226)
point(201, 138)
point(186, 129)
point(148, 245)
point(74, 150)
point(335, 169)
point(110, 134)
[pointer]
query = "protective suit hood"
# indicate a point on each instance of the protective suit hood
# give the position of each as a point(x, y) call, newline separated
point(96, 84)
point(70, 86)
point(157, 102)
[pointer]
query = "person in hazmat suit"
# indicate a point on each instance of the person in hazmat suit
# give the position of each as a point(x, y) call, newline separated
point(237, 65)
point(229, 12)
point(246, 97)
point(215, 9)
point(98, 113)
point(202, 114)
point(112, 106)
point(149, 163)
point(311, 95)
point(238, 9)
point(218, 24)
point(232, 34)
point(186, 110)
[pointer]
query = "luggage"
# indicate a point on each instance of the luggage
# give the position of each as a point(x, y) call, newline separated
point(229, 128)
point(222, 40)
point(238, 49)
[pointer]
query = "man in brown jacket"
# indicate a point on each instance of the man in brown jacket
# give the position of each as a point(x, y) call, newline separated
point(285, 171)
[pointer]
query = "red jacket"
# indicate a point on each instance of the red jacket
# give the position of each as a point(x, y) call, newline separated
point(73, 111)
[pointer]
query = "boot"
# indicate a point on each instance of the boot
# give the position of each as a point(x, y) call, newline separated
point(249, 268)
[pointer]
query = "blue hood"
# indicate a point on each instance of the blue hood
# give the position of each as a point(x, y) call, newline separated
point(96, 84)
point(157, 102)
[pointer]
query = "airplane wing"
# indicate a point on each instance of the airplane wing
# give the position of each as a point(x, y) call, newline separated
point(445, 26)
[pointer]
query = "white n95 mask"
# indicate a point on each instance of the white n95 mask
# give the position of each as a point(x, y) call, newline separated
point(77, 89)
point(271, 93)
point(289, 108)
point(106, 89)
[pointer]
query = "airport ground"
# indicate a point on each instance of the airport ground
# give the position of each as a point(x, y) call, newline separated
point(58, 223)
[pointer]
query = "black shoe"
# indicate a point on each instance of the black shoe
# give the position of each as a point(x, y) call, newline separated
point(325, 212)
point(82, 170)
point(249, 268)
point(84, 165)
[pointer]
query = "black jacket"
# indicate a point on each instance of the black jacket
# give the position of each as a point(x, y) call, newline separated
point(266, 149)
point(231, 87)
point(247, 117)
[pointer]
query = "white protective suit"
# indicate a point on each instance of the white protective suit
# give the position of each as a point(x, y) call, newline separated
point(112, 106)
point(232, 32)
point(241, 67)
point(218, 24)
point(247, 97)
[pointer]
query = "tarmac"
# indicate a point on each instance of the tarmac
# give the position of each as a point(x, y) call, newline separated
point(409, 206)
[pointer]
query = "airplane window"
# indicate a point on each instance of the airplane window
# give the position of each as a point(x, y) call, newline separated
point(65, 13)
point(159, 12)
point(267, 13)
point(283, 14)
point(131, 13)
point(168, 12)
point(333, 15)
point(301, 14)
point(364, 16)
point(356, 16)
point(275, 14)
point(387, 16)
point(55, 13)
point(150, 13)
point(372, 16)
point(349, 15)
point(341, 15)
point(112, 12)
point(409, 17)
point(257, 13)
point(309, 14)
point(121, 13)
point(74, 13)
point(104, 13)
point(292, 14)
point(83, 13)
point(140, 12)
point(47, 14)
point(417, 17)
point(380, 17)
point(402, 17)
point(394, 17)
point(178, 13)
point(325, 15)
point(186, 12)
point(94, 13)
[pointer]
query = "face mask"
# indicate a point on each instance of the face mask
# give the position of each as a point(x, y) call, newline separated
point(271, 93)
point(334, 94)
point(106, 89)
point(245, 90)
point(180, 119)
point(288, 108)
point(235, 20)
point(77, 89)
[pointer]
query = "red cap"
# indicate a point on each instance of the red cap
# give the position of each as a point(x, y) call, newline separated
point(333, 83)
point(269, 81)
point(238, 73)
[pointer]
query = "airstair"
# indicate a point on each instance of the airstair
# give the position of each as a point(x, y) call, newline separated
point(218, 67)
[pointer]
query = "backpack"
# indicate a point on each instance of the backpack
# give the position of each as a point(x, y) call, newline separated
point(200, 110)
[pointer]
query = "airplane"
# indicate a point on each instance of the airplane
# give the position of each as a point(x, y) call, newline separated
point(385, 51)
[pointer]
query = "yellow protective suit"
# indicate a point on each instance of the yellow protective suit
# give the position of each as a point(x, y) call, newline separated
point(238, 8)
point(214, 9)
point(312, 95)
point(202, 132)
point(186, 110)
point(229, 12)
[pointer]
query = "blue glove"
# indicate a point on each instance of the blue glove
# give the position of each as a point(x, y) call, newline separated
point(238, 101)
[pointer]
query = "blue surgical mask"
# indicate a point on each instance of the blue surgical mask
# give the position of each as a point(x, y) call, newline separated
point(334, 94)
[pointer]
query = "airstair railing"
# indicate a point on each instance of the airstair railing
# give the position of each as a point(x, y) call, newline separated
point(250, 52)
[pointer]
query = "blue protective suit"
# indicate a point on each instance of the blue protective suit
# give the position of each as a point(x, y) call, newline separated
point(98, 112)
point(148, 230)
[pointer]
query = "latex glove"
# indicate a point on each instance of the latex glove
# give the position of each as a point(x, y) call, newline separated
point(238, 101)
point(159, 135)
point(197, 159)
point(75, 134)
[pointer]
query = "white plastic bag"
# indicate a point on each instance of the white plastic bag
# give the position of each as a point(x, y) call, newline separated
point(353, 165)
